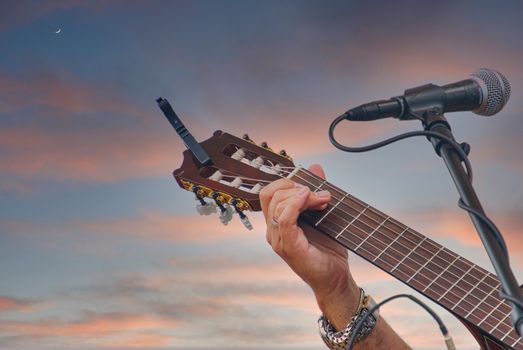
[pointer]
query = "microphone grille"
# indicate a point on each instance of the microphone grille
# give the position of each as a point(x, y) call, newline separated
point(495, 88)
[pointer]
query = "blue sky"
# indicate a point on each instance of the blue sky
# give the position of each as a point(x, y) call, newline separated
point(100, 247)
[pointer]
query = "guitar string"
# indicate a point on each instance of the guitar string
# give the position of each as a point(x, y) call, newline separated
point(417, 272)
point(248, 178)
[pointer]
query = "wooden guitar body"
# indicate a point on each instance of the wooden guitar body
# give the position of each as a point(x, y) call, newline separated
point(485, 341)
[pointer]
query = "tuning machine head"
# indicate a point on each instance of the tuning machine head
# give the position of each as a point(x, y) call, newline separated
point(238, 206)
point(226, 214)
point(283, 153)
point(204, 207)
point(266, 146)
point(226, 210)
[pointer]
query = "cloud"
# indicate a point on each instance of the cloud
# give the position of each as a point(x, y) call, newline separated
point(457, 224)
point(60, 94)
point(77, 131)
point(148, 225)
point(77, 156)
point(8, 303)
point(169, 301)
point(91, 329)
point(141, 340)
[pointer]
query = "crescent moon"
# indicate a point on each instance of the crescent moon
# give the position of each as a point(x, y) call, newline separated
point(58, 31)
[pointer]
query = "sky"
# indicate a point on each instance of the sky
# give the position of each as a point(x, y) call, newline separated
point(100, 248)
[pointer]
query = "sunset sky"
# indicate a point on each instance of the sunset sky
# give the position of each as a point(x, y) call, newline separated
point(100, 248)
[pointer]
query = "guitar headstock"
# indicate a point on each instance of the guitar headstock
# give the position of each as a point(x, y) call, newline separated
point(239, 170)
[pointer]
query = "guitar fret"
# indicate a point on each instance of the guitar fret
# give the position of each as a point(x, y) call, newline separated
point(470, 291)
point(500, 322)
point(454, 284)
point(491, 312)
point(506, 334)
point(406, 256)
point(294, 172)
point(481, 302)
point(331, 209)
point(370, 234)
point(425, 264)
point(352, 221)
point(319, 186)
point(517, 341)
point(390, 244)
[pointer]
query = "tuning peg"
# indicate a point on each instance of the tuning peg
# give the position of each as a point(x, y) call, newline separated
point(244, 219)
point(247, 138)
point(225, 211)
point(226, 214)
point(246, 222)
point(206, 209)
point(283, 153)
point(203, 208)
point(266, 146)
point(199, 197)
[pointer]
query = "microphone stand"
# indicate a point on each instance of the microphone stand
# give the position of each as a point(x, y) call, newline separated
point(421, 105)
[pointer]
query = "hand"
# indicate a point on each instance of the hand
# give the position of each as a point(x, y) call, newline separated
point(317, 259)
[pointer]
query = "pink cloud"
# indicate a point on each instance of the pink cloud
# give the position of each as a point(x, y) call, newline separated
point(15, 304)
point(94, 328)
point(165, 226)
point(141, 340)
point(107, 156)
point(62, 95)
point(99, 152)
point(150, 225)
point(457, 224)
point(93, 325)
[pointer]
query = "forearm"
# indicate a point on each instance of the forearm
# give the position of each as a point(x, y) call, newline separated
point(340, 305)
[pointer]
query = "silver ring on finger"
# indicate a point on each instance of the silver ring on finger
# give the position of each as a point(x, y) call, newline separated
point(274, 222)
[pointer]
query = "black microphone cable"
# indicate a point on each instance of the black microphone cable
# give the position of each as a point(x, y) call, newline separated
point(456, 146)
point(448, 339)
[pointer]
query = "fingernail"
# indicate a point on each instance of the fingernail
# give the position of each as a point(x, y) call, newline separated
point(323, 194)
point(297, 185)
point(303, 190)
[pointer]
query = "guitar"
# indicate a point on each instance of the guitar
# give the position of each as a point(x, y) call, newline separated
point(240, 169)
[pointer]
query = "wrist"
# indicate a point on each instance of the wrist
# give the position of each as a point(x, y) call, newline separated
point(339, 303)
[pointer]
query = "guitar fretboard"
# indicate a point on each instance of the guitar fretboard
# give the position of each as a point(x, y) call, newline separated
point(455, 283)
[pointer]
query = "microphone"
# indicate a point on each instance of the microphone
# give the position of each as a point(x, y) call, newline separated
point(485, 93)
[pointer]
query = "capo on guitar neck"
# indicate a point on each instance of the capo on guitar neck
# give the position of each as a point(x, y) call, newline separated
point(189, 140)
